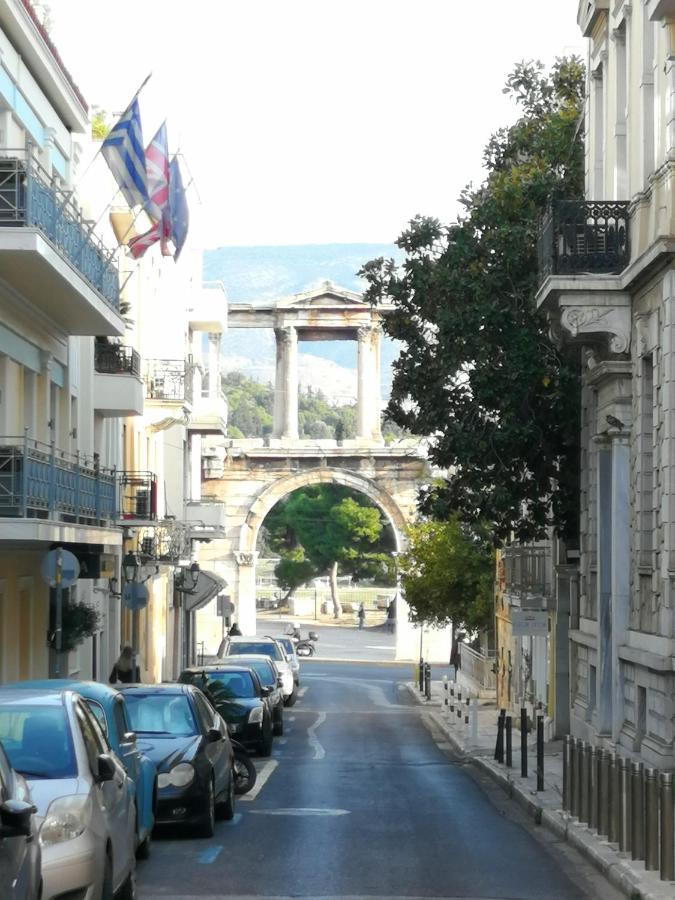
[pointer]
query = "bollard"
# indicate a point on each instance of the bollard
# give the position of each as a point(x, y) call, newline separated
point(593, 790)
point(540, 753)
point(603, 793)
point(585, 757)
point(427, 681)
point(445, 693)
point(499, 747)
point(566, 774)
point(508, 721)
point(523, 742)
point(420, 675)
point(667, 831)
point(574, 777)
point(474, 719)
point(637, 834)
point(651, 819)
point(578, 768)
point(614, 805)
point(452, 697)
point(467, 712)
point(458, 705)
point(624, 801)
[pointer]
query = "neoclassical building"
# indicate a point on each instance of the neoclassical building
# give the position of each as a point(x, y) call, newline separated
point(609, 287)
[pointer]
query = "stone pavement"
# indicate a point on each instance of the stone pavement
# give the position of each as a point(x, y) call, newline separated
point(545, 807)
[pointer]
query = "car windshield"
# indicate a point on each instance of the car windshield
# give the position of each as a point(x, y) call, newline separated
point(229, 685)
point(287, 644)
point(265, 648)
point(160, 714)
point(38, 741)
point(264, 671)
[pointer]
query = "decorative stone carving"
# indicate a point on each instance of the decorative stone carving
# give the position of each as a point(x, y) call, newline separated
point(610, 323)
point(243, 558)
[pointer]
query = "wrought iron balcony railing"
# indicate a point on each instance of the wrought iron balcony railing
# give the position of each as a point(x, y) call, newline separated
point(528, 573)
point(29, 198)
point(168, 379)
point(116, 359)
point(40, 481)
point(138, 495)
point(584, 237)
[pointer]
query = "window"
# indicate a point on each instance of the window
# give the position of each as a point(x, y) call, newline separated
point(92, 740)
point(204, 712)
point(97, 711)
point(120, 719)
point(38, 741)
point(160, 713)
point(265, 648)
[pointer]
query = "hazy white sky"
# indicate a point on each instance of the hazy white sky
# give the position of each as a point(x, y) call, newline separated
point(314, 121)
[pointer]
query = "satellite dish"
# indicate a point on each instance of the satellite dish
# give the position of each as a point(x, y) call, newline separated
point(135, 596)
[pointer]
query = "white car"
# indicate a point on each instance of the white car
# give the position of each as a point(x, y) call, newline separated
point(86, 812)
point(288, 647)
point(266, 646)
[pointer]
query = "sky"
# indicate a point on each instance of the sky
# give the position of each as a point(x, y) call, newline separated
point(314, 121)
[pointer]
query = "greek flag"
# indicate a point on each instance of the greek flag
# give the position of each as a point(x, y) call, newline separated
point(124, 152)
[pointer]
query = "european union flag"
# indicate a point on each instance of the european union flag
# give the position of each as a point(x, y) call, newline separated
point(180, 216)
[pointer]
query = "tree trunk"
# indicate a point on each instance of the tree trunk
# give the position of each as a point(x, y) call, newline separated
point(337, 607)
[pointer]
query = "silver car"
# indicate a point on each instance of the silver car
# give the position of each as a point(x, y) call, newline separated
point(85, 801)
point(20, 862)
point(288, 647)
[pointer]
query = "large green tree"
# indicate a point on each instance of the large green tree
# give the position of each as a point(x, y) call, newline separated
point(478, 372)
point(324, 530)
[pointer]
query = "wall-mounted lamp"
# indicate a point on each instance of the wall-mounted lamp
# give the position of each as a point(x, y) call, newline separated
point(131, 569)
point(185, 581)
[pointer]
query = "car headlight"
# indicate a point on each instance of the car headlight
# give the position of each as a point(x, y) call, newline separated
point(256, 715)
point(180, 776)
point(66, 819)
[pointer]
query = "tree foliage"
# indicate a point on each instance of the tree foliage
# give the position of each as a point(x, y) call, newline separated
point(478, 372)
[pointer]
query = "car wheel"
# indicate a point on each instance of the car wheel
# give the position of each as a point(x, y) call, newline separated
point(290, 700)
point(279, 726)
point(107, 887)
point(128, 889)
point(226, 808)
point(207, 823)
point(264, 748)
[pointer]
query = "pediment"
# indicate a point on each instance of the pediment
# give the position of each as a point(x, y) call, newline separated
point(324, 296)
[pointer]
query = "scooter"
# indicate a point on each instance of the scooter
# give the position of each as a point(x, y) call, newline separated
point(305, 646)
point(244, 771)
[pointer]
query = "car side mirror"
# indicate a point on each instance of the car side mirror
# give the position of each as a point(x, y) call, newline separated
point(129, 737)
point(15, 818)
point(106, 767)
point(213, 735)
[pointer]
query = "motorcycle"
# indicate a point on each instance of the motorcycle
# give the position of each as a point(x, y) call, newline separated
point(244, 771)
point(305, 646)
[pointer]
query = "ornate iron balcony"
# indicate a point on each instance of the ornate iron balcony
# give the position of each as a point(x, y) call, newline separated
point(579, 237)
point(138, 495)
point(528, 572)
point(116, 359)
point(29, 198)
point(168, 379)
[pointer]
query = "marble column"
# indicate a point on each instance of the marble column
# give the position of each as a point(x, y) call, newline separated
point(244, 614)
point(605, 655)
point(368, 386)
point(286, 384)
point(214, 365)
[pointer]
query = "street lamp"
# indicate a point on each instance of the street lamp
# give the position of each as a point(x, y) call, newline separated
point(131, 569)
point(185, 582)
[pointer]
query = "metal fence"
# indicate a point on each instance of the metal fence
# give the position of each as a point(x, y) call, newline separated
point(30, 198)
point(528, 573)
point(116, 359)
point(168, 379)
point(477, 667)
point(582, 236)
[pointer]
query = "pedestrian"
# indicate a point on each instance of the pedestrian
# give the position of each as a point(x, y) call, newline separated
point(125, 669)
point(391, 616)
point(361, 615)
point(235, 630)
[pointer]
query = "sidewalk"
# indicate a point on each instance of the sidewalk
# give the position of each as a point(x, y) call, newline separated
point(545, 807)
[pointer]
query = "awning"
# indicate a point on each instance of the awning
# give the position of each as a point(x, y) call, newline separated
point(208, 586)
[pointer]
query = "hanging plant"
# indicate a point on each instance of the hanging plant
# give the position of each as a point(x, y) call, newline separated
point(78, 622)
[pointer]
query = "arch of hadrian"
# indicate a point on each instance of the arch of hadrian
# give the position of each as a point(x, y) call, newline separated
point(251, 476)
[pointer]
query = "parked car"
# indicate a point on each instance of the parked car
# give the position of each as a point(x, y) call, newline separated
point(270, 678)
point(84, 797)
point(108, 706)
point(288, 647)
point(181, 732)
point(20, 857)
point(238, 695)
point(266, 646)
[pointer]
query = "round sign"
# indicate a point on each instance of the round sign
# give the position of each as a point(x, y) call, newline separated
point(69, 567)
point(135, 596)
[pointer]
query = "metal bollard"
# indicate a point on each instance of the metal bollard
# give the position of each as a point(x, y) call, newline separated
point(540, 753)
point(420, 676)
point(667, 829)
point(651, 819)
point(585, 779)
point(459, 704)
point(603, 793)
point(579, 765)
point(637, 834)
point(445, 693)
point(452, 698)
point(614, 805)
point(624, 802)
point(467, 711)
point(499, 747)
point(566, 774)
point(474, 719)
point(509, 747)
point(523, 742)
point(574, 777)
point(593, 789)
point(427, 681)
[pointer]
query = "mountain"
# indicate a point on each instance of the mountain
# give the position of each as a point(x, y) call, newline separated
point(261, 274)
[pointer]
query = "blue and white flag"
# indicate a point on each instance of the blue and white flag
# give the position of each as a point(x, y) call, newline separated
point(180, 216)
point(124, 152)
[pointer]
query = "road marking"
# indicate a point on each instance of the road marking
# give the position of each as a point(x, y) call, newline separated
point(319, 752)
point(262, 777)
point(235, 820)
point(209, 855)
point(302, 691)
point(379, 647)
point(282, 740)
point(301, 811)
point(292, 718)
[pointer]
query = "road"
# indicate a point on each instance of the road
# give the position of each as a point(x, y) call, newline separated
point(360, 802)
point(339, 641)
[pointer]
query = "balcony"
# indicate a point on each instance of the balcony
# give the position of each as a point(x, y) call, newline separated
point(205, 519)
point(207, 309)
point(168, 380)
point(209, 414)
point(39, 481)
point(118, 387)
point(579, 238)
point(49, 254)
point(137, 497)
point(528, 576)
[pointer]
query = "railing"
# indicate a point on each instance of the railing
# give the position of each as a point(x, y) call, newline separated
point(29, 198)
point(168, 379)
point(528, 572)
point(138, 495)
point(584, 237)
point(40, 481)
point(116, 359)
point(479, 668)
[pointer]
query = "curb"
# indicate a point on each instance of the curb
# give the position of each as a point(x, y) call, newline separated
point(619, 872)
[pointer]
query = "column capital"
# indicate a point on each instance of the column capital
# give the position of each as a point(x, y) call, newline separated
point(246, 558)
point(368, 332)
point(285, 335)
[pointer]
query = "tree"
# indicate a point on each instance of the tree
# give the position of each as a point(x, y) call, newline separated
point(447, 574)
point(321, 529)
point(478, 372)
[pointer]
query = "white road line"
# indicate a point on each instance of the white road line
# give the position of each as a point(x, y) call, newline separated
point(302, 691)
point(263, 774)
point(319, 752)
point(292, 718)
point(301, 811)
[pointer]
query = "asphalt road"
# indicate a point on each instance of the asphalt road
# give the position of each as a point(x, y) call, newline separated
point(360, 802)
point(339, 641)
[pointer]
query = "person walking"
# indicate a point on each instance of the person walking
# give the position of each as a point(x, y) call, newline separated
point(361, 615)
point(235, 630)
point(125, 669)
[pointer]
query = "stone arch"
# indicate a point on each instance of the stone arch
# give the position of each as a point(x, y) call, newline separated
point(273, 493)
